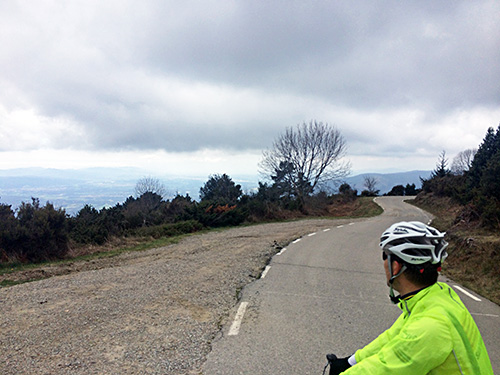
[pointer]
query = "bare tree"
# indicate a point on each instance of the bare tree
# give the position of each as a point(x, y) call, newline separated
point(463, 161)
point(149, 185)
point(306, 156)
point(370, 184)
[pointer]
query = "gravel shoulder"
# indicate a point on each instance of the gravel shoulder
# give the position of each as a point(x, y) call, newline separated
point(151, 312)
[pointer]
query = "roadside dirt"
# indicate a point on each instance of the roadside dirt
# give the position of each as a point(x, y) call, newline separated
point(150, 312)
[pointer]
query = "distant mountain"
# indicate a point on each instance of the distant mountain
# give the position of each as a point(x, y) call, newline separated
point(386, 181)
point(106, 187)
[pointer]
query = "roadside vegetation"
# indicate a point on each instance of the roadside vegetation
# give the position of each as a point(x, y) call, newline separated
point(300, 171)
point(96, 246)
point(466, 202)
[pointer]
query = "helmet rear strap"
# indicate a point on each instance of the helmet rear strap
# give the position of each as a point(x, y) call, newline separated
point(394, 299)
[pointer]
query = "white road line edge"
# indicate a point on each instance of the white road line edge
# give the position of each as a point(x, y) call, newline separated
point(488, 315)
point(235, 327)
point(282, 251)
point(467, 293)
point(264, 273)
point(326, 230)
point(340, 226)
point(297, 240)
point(311, 234)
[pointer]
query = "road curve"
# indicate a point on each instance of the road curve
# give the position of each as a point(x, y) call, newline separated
point(325, 292)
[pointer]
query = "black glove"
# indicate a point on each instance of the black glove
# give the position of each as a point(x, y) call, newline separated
point(337, 365)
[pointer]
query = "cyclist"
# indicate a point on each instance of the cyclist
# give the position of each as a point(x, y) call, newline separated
point(435, 334)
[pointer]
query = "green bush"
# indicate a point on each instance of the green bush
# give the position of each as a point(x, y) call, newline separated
point(88, 227)
point(347, 193)
point(8, 232)
point(447, 186)
point(38, 234)
point(147, 210)
point(216, 215)
point(221, 189)
point(168, 230)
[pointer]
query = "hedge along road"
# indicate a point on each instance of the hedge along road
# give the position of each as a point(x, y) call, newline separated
point(325, 293)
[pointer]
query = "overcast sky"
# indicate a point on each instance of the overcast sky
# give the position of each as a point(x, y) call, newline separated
point(203, 87)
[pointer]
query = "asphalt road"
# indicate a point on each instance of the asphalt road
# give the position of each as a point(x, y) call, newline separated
point(324, 293)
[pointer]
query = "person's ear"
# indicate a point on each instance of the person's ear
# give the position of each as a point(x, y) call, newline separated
point(396, 267)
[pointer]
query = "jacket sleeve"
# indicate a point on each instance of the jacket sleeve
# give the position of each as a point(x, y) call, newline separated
point(376, 345)
point(419, 347)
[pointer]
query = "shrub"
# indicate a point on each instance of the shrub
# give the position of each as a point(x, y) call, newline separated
point(41, 233)
point(88, 227)
point(216, 215)
point(8, 230)
point(347, 193)
point(175, 210)
point(220, 189)
point(397, 190)
point(168, 230)
point(448, 186)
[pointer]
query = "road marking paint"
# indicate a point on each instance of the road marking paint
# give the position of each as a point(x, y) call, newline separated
point(311, 234)
point(351, 223)
point(340, 226)
point(487, 315)
point(282, 251)
point(235, 327)
point(467, 293)
point(264, 273)
point(297, 240)
point(326, 230)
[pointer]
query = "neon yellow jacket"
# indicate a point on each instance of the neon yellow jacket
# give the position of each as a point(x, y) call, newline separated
point(435, 334)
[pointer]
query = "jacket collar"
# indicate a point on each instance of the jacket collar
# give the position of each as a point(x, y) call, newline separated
point(408, 301)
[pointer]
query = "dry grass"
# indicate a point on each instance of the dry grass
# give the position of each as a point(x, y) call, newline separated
point(474, 254)
point(361, 207)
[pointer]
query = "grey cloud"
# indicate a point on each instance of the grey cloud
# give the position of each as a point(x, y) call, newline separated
point(103, 64)
point(377, 53)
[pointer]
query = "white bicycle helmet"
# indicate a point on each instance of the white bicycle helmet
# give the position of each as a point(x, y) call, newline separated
point(414, 243)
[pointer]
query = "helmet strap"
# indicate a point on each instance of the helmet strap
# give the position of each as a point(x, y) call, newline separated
point(394, 299)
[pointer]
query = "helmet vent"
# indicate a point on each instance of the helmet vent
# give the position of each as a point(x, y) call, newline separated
point(414, 243)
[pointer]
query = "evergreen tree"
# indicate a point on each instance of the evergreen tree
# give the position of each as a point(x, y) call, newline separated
point(220, 189)
point(397, 190)
point(485, 152)
point(490, 180)
point(410, 189)
point(284, 180)
point(442, 169)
